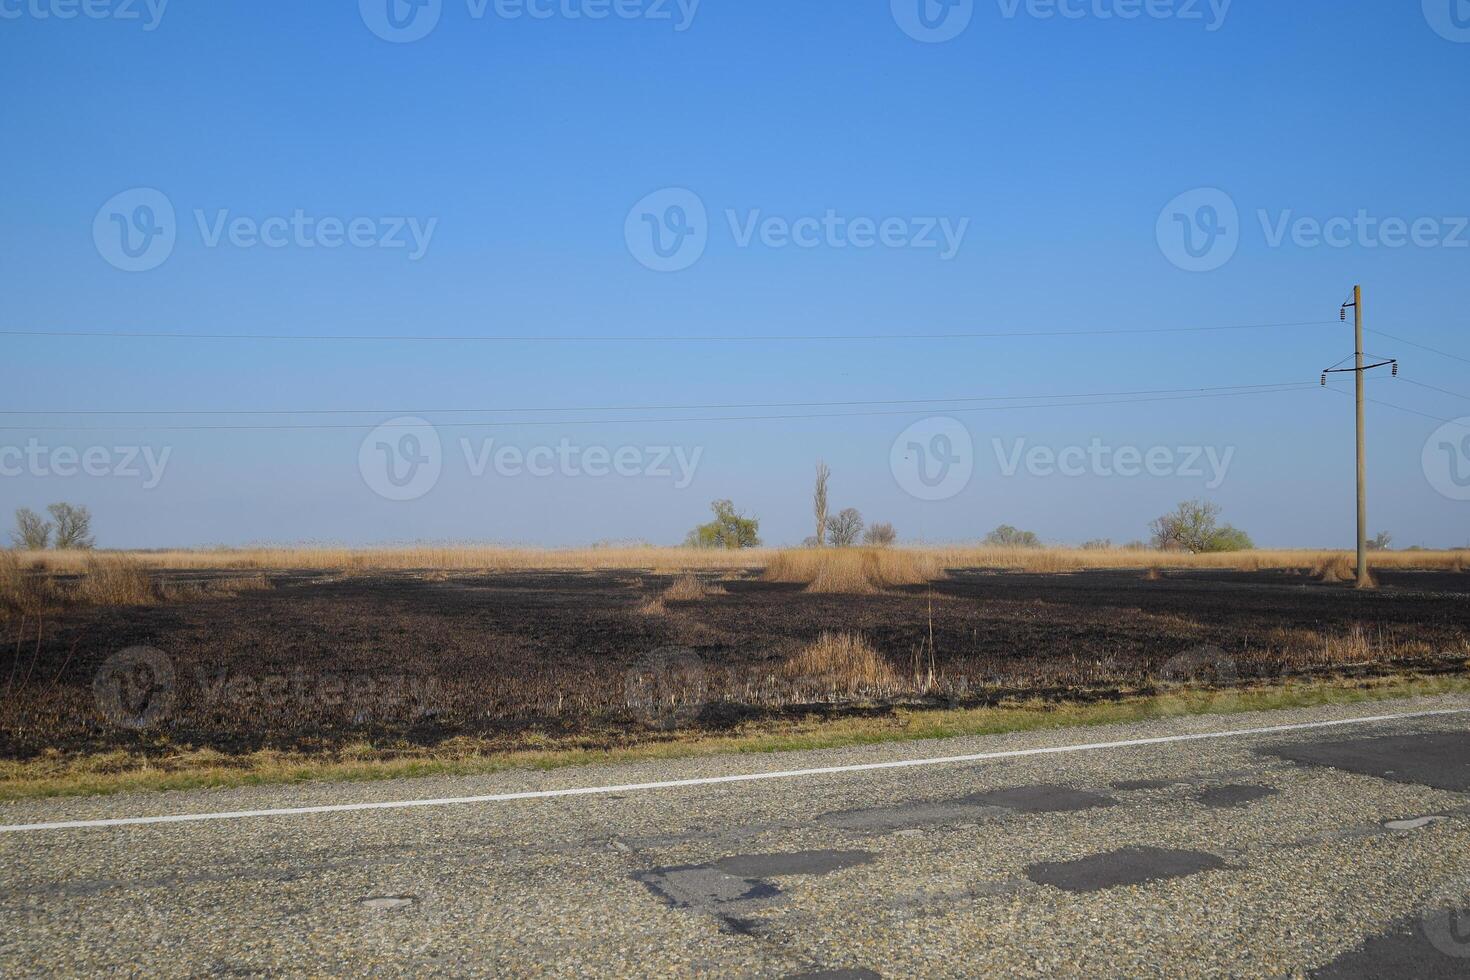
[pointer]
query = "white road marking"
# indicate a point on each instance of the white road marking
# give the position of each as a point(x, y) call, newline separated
point(547, 794)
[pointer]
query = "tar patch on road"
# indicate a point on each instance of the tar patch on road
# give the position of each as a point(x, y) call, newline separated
point(732, 884)
point(1136, 784)
point(794, 863)
point(1129, 866)
point(1040, 799)
point(1440, 760)
point(966, 809)
point(700, 886)
point(1227, 797)
point(1404, 952)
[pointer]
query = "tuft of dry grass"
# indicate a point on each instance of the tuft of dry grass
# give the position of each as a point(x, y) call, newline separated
point(843, 663)
point(689, 588)
point(1154, 574)
point(23, 591)
point(116, 581)
point(852, 571)
point(1341, 568)
point(654, 607)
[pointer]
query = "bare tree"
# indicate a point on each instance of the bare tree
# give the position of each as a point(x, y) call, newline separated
point(1380, 541)
point(819, 501)
point(31, 532)
point(73, 526)
point(880, 535)
point(845, 527)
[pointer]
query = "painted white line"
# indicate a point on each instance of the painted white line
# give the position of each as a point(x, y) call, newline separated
point(547, 794)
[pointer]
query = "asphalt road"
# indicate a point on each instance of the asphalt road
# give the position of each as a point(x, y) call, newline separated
point(1338, 851)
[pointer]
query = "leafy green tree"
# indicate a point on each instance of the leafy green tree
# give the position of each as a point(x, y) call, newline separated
point(1194, 526)
point(729, 529)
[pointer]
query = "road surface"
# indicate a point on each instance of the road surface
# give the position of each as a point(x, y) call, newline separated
point(1186, 846)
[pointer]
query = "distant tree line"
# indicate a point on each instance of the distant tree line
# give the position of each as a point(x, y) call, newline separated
point(70, 529)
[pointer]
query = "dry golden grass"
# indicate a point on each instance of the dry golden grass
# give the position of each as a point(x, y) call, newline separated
point(688, 588)
point(116, 581)
point(930, 560)
point(23, 592)
point(843, 663)
point(852, 571)
point(31, 588)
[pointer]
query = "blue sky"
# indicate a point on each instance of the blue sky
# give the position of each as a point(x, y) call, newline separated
point(520, 147)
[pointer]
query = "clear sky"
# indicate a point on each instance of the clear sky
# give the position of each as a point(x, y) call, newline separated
point(823, 168)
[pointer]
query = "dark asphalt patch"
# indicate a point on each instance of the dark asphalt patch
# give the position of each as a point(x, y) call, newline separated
point(1405, 952)
point(1226, 797)
point(736, 881)
point(794, 863)
point(1440, 760)
point(1133, 784)
point(967, 809)
point(701, 886)
point(1040, 799)
point(1129, 866)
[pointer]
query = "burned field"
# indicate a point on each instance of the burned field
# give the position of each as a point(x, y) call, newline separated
point(319, 662)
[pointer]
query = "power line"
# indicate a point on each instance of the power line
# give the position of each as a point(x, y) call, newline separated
point(682, 339)
point(630, 421)
point(1442, 391)
point(1432, 350)
point(648, 408)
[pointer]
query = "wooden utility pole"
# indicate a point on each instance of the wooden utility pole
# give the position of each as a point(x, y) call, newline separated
point(1363, 580)
point(1360, 369)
